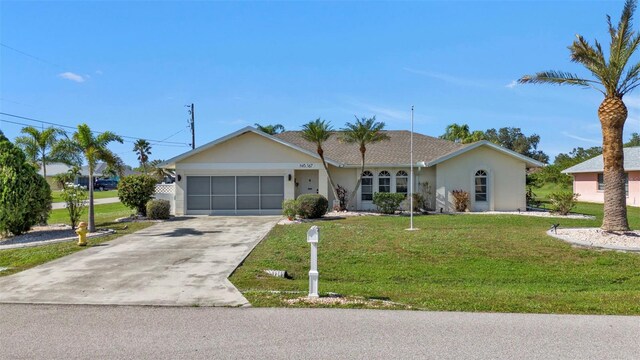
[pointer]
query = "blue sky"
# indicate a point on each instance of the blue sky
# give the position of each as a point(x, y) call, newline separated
point(130, 67)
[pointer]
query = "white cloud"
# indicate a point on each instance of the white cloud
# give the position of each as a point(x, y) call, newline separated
point(580, 138)
point(73, 77)
point(99, 72)
point(512, 84)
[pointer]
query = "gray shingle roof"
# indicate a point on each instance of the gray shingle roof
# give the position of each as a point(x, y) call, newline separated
point(392, 152)
point(596, 164)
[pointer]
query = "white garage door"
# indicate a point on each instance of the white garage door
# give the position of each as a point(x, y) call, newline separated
point(235, 194)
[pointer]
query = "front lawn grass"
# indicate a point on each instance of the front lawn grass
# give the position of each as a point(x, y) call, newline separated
point(487, 263)
point(17, 260)
point(57, 197)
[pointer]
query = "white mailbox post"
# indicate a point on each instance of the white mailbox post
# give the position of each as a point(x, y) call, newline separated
point(313, 235)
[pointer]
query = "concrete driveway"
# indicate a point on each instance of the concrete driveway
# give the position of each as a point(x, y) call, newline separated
point(181, 262)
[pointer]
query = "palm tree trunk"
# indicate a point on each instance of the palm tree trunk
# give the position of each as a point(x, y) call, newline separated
point(331, 183)
point(92, 225)
point(613, 113)
point(355, 191)
point(44, 166)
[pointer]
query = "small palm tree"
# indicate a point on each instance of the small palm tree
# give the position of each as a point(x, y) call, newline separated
point(270, 129)
point(318, 132)
point(40, 146)
point(363, 132)
point(93, 149)
point(143, 149)
point(613, 79)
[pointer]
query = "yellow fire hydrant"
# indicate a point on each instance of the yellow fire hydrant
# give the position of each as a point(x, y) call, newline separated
point(82, 233)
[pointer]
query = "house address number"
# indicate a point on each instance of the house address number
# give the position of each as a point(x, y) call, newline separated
point(305, 166)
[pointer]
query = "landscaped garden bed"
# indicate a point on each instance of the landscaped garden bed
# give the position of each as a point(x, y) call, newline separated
point(493, 263)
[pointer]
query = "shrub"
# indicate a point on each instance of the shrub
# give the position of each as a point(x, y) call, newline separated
point(342, 197)
point(158, 209)
point(387, 203)
point(290, 208)
point(75, 196)
point(461, 200)
point(25, 196)
point(312, 206)
point(136, 190)
point(563, 201)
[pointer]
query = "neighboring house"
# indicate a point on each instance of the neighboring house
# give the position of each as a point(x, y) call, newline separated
point(588, 180)
point(250, 172)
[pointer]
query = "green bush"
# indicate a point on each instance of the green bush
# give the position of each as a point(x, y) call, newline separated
point(312, 206)
point(75, 197)
point(135, 191)
point(562, 202)
point(158, 209)
point(25, 196)
point(387, 203)
point(290, 208)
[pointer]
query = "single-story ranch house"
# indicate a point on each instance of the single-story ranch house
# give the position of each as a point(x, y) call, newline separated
point(588, 180)
point(250, 172)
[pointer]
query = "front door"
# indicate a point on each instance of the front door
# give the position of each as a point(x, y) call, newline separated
point(481, 191)
point(306, 182)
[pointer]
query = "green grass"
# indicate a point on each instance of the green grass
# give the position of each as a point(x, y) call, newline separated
point(543, 192)
point(488, 263)
point(57, 197)
point(21, 259)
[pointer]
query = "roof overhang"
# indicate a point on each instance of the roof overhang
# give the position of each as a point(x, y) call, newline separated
point(171, 163)
point(586, 171)
point(528, 161)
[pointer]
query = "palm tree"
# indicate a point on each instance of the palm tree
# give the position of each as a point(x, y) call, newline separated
point(93, 149)
point(363, 132)
point(613, 79)
point(40, 146)
point(317, 132)
point(143, 149)
point(462, 134)
point(270, 129)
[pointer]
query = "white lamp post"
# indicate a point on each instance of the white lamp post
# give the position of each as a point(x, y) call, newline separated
point(313, 235)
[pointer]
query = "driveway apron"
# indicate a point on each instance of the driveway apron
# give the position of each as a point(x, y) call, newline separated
point(181, 262)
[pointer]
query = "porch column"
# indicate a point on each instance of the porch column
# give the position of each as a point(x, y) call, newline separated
point(323, 183)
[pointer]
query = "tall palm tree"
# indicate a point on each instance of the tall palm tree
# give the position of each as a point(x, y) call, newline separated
point(363, 132)
point(40, 146)
point(317, 132)
point(270, 129)
point(93, 149)
point(613, 79)
point(143, 149)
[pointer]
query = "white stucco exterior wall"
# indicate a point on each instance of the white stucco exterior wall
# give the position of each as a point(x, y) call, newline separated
point(506, 179)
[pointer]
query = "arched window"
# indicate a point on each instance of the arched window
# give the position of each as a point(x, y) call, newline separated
point(384, 181)
point(367, 186)
point(402, 182)
point(481, 185)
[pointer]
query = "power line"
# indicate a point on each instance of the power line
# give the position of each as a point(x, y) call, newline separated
point(99, 132)
point(127, 141)
point(31, 56)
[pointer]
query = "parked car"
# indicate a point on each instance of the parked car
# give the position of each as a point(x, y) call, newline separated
point(105, 184)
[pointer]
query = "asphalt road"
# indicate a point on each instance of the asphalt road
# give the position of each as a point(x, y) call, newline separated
point(112, 332)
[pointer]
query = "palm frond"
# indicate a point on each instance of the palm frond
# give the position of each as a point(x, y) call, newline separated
point(558, 78)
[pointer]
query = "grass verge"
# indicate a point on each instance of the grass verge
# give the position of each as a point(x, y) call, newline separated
point(17, 260)
point(488, 263)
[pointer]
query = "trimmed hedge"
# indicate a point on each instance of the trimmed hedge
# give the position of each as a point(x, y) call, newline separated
point(158, 209)
point(388, 203)
point(311, 206)
point(135, 191)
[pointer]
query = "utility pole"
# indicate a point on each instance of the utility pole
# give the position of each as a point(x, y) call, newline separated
point(191, 125)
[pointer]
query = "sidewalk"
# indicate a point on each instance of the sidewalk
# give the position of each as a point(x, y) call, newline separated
point(61, 205)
